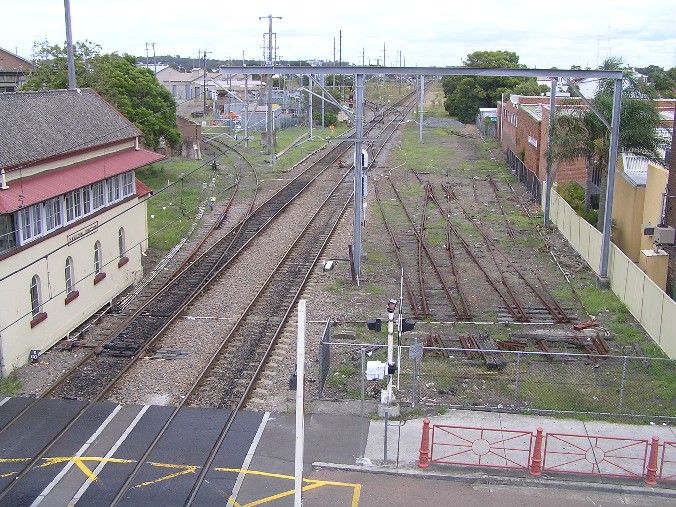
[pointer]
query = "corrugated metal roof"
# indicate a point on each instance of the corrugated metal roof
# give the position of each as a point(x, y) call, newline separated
point(39, 125)
point(28, 191)
point(534, 110)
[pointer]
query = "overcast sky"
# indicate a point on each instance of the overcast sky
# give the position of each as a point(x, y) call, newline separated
point(543, 35)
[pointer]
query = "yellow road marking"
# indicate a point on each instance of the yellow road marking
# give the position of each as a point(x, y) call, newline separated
point(312, 484)
point(11, 460)
point(187, 469)
point(80, 463)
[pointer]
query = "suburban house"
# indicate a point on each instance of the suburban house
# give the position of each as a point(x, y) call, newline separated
point(13, 71)
point(73, 224)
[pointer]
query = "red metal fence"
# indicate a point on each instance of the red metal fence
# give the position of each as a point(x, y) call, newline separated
point(459, 445)
point(555, 452)
point(605, 456)
point(668, 463)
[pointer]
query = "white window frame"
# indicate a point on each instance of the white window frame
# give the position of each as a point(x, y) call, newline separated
point(73, 205)
point(86, 201)
point(98, 262)
point(35, 295)
point(121, 242)
point(128, 184)
point(69, 275)
point(53, 214)
point(98, 195)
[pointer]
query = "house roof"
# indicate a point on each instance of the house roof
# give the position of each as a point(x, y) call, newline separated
point(534, 110)
point(31, 190)
point(35, 126)
point(25, 64)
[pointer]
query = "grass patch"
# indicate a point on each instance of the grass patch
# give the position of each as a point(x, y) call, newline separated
point(10, 385)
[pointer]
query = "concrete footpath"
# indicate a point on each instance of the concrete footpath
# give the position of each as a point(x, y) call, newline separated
point(495, 447)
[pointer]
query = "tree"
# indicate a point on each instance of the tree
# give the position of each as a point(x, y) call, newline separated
point(465, 95)
point(579, 132)
point(133, 91)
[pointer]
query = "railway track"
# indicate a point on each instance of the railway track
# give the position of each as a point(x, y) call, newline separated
point(93, 378)
point(236, 367)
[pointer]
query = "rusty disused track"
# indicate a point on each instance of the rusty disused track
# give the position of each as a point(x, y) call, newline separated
point(556, 311)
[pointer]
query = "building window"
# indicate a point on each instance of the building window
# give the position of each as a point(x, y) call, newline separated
point(98, 263)
point(7, 233)
point(98, 195)
point(36, 305)
point(73, 205)
point(113, 186)
point(86, 201)
point(122, 248)
point(173, 90)
point(30, 222)
point(127, 184)
point(36, 302)
point(69, 273)
point(52, 213)
point(97, 257)
point(120, 242)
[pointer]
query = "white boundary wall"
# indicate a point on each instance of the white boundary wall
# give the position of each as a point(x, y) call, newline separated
point(649, 304)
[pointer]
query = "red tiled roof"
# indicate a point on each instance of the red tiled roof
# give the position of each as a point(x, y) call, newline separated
point(142, 189)
point(34, 189)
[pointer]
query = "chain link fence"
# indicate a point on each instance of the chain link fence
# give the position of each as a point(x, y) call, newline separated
point(522, 381)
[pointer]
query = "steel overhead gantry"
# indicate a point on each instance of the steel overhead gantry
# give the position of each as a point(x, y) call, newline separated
point(361, 72)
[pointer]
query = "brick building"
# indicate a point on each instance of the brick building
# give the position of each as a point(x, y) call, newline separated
point(523, 128)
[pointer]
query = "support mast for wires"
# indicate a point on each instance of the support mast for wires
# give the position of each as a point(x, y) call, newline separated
point(270, 62)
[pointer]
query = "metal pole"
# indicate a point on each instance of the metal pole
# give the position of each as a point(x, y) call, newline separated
point(550, 149)
point(72, 85)
point(516, 380)
point(246, 110)
point(309, 108)
point(415, 374)
point(624, 376)
point(358, 196)
point(422, 105)
point(270, 63)
point(300, 389)
point(385, 439)
point(361, 414)
point(607, 219)
point(390, 353)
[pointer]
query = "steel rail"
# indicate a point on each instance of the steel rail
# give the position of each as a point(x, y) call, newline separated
point(555, 310)
point(422, 247)
point(260, 299)
point(518, 314)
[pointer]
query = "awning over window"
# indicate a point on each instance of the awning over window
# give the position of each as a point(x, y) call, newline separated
point(27, 191)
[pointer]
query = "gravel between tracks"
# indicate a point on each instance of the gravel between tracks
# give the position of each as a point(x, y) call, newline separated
point(194, 337)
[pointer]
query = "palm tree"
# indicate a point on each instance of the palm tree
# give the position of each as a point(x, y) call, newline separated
point(580, 133)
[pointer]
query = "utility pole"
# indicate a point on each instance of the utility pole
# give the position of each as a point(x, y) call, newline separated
point(154, 58)
point(204, 92)
point(384, 61)
point(72, 85)
point(340, 59)
point(271, 63)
